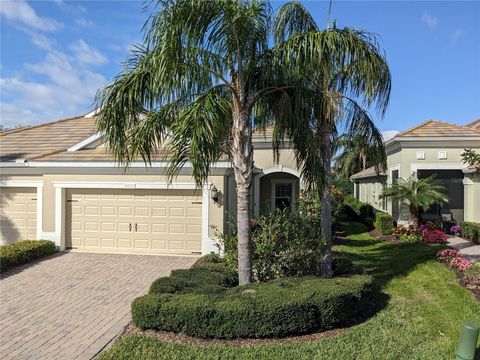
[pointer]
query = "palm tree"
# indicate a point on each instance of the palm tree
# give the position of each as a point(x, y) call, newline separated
point(355, 155)
point(337, 73)
point(203, 68)
point(418, 194)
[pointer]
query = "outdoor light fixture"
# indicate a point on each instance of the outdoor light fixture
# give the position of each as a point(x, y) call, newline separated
point(214, 193)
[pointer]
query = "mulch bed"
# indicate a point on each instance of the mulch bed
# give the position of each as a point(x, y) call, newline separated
point(378, 235)
point(179, 338)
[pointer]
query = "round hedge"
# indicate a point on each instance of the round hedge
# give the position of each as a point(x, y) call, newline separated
point(278, 308)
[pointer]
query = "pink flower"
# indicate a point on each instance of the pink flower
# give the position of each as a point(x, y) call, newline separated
point(460, 263)
point(446, 255)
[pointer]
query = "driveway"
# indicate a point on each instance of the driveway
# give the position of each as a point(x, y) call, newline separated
point(72, 305)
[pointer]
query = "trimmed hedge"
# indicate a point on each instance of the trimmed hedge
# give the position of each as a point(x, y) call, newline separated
point(471, 230)
point(278, 308)
point(383, 222)
point(23, 252)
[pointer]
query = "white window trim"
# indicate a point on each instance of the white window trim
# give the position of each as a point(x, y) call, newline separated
point(59, 236)
point(30, 184)
point(420, 155)
point(282, 181)
point(442, 155)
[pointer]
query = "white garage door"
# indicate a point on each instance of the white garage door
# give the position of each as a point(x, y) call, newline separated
point(134, 221)
point(18, 213)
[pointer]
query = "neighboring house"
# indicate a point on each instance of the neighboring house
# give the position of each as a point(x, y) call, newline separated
point(432, 147)
point(58, 182)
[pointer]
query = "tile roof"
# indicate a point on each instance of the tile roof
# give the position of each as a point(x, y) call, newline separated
point(34, 141)
point(368, 172)
point(435, 128)
point(474, 124)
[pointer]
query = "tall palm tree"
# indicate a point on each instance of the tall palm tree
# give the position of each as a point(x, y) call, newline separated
point(355, 155)
point(196, 80)
point(418, 194)
point(338, 74)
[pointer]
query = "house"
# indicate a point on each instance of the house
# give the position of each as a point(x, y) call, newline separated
point(58, 182)
point(432, 147)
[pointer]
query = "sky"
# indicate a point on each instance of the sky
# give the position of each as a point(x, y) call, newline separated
point(55, 55)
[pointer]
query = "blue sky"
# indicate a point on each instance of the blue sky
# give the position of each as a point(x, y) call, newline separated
point(56, 54)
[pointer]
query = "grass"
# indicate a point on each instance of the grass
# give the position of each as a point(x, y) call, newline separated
point(421, 320)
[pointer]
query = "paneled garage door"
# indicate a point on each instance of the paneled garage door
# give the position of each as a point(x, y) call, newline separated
point(18, 214)
point(134, 221)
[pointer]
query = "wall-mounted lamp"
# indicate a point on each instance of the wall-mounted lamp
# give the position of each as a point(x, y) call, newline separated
point(214, 194)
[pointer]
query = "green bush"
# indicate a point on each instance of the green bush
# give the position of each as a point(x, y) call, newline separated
point(274, 309)
point(284, 244)
point(365, 212)
point(23, 252)
point(383, 222)
point(211, 258)
point(203, 278)
point(471, 230)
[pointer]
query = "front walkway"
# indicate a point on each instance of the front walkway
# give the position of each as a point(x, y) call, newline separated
point(70, 306)
point(467, 249)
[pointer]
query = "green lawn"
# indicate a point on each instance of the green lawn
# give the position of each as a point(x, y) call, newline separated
point(421, 319)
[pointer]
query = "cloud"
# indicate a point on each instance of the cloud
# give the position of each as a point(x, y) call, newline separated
point(58, 86)
point(430, 20)
point(42, 41)
point(388, 134)
point(84, 22)
point(20, 12)
point(457, 35)
point(86, 54)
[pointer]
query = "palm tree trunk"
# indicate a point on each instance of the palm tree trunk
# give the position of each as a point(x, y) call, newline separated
point(415, 216)
point(243, 166)
point(326, 206)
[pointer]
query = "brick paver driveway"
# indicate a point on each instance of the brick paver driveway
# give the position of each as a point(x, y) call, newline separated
point(72, 305)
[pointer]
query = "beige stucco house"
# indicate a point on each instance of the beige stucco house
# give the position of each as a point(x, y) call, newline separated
point(58, 182)
point(432, 147)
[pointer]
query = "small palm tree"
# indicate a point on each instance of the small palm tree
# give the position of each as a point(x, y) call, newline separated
point(418, 194)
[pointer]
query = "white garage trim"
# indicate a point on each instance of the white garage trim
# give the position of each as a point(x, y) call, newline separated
point(30, 184)
point(100, 164)
point(436, 166)
point(59, 238)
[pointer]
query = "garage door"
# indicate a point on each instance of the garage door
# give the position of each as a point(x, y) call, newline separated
point(18, 211)
point(134, 221)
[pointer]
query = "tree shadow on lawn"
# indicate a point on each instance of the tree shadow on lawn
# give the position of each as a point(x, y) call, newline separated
point(385, 261)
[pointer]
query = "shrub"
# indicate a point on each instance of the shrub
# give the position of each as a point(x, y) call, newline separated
point(199, 278)
point(275, 309)
point(471, 230)
point(284, 244)
point(409, 239)
point(211, 258)
point(23, 252)
point(383, 222)
point(434, 237)
point(365, 213)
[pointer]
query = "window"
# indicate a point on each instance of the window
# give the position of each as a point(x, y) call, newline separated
point(283, 195)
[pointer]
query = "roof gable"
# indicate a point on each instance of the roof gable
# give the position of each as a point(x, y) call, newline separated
point(474, 124)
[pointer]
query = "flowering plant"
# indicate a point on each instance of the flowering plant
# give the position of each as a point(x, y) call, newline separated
point(460, 263)
point(434, 237)
point(455, 230)
point(446, 255)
